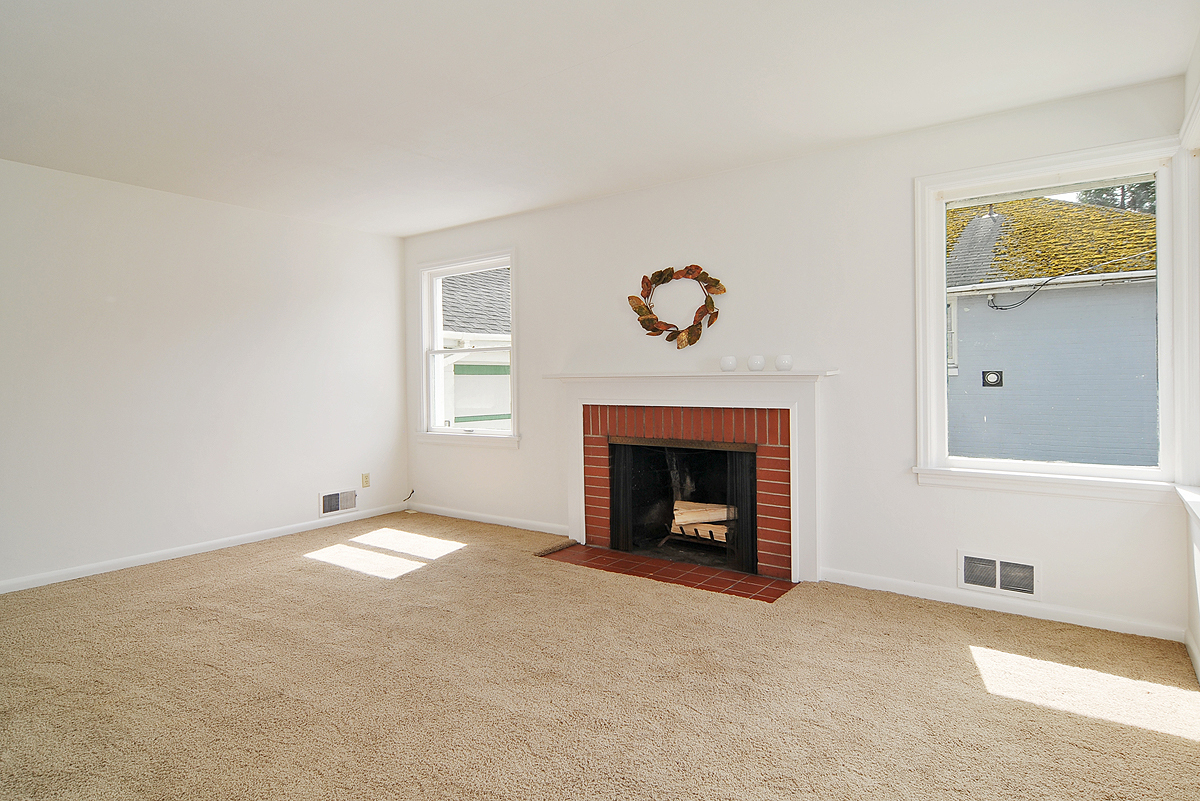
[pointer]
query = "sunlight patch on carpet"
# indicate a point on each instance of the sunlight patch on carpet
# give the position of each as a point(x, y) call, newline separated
point(363, 561)
point(409, 543)
point(1156, 707)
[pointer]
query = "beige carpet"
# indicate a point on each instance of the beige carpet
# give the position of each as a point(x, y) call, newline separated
point(489, 673)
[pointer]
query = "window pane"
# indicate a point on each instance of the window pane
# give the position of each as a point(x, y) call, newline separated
point(475, 309)
point(1055, 327)
point(471, 390)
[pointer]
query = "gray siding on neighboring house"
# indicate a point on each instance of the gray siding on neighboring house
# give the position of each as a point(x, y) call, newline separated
point(1080, 377)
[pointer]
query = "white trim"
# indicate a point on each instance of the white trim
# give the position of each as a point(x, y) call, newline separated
point(1191, 501)
point(1056, 283)
point(951, 333)
point(1047, 172)
point(1015, 606)
point(1073, 486)
point(480, 261)
point(469, 351)
point(807, 565)
point(512, 522)
point(79, 571)
point(1193, 650)
point(1187, 240)
point(1186, 285)
point(1026, 194)
point(427, 273)
point(477, 439)
point(795, 375)
point(1168, 334)
point(473, 335)
point(931, 194)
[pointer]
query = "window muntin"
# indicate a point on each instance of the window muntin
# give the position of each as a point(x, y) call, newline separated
point(468, 348)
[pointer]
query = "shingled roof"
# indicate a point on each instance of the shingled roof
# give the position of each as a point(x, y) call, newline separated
point(477, 303)
point(1041, 237)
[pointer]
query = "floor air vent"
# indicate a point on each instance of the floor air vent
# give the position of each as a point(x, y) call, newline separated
point(993, 574)
point(335, 502)
point(1016, 577)
point(979, 572)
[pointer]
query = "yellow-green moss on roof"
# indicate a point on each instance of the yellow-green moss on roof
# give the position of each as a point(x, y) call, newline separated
point(1045, 237)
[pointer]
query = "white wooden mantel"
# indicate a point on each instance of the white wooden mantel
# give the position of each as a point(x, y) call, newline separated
point(797, 391)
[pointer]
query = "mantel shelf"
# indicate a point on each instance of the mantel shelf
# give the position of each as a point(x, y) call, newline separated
point(743, 375)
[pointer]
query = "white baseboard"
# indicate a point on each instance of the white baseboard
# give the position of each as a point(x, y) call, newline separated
point(1193, 649)
point(1016, 606)
point(66, 574)
point(514, 522)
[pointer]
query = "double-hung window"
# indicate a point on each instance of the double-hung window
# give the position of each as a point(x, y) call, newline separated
point(1044, 325)
point(468, 348)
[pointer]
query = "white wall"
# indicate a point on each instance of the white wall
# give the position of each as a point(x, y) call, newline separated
point(175, 372)
point(1192, 78)
point(1191, 499)
point(1190, 135)
point(817, 253)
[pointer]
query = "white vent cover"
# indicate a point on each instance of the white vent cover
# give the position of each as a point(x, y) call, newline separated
point(993, 574)
point(334, 502)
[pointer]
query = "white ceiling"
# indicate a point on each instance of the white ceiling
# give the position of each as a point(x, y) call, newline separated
point(402, 116)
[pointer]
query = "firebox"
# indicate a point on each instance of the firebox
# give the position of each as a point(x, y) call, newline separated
point(685, 501)
point(760, 514)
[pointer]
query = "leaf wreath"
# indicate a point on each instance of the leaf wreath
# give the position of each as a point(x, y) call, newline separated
point(644, 308)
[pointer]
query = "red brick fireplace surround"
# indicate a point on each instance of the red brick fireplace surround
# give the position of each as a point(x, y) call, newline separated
point(768, 429)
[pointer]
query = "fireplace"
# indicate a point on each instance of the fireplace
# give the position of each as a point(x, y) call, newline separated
point(661, 480)
point(777, 414)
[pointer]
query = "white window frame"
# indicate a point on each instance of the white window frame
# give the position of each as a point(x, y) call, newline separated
point(429, 274)
point(935, 466)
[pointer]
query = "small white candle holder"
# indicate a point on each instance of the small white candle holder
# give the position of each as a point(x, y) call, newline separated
point(729, 363)
point(783, 363)
point(756, 363)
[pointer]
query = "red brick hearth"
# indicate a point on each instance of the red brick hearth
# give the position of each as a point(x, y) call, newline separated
point(767, 428)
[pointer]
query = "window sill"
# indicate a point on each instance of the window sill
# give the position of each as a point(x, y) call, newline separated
point(477, 440)
point(1191, 501)
point(1109, 489)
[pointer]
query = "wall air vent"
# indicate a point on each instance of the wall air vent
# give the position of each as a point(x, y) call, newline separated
point(334, 502)
point(993, 574)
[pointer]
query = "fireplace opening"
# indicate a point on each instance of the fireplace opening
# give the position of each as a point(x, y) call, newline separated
point(687, 502)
